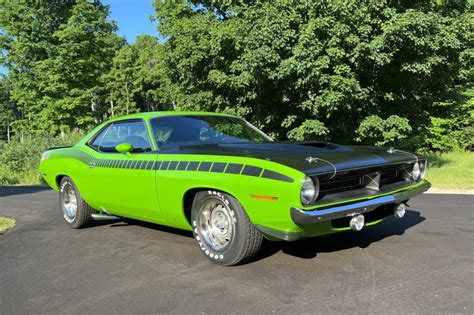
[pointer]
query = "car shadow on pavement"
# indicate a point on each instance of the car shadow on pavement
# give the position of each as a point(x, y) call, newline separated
point(21, 190)
point(157, 227)
point(310, 248)
point(305, 248)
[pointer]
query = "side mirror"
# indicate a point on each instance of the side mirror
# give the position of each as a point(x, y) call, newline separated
point(124, 148)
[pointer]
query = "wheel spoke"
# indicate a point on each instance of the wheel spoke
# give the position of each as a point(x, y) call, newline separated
point(216, 225)
point(69, 203)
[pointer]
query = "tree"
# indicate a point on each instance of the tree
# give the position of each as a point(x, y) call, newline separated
point(138, 79)
point(55, 54)
point(306, 69)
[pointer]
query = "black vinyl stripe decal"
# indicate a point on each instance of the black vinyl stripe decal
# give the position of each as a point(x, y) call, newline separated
point(172, 166)
point(233, 168)
point(252, 170)
point(277, 176)
point(164, 165)
point(205, 166)
point(218, 167)
point(193, 166)
point(182, 165)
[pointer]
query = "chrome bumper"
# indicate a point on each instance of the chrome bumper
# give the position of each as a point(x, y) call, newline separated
point(300, 216)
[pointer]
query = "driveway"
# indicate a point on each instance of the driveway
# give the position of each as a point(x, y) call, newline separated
point(423, 263)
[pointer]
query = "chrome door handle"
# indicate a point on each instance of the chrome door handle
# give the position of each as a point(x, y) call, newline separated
point(92, 164)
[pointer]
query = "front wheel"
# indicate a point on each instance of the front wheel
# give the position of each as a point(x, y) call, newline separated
point(222, 229)
point(76, 212)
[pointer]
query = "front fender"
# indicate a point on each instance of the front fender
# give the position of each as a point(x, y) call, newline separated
point(265, 199)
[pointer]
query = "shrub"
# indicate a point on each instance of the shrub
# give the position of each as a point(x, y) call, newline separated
point(19, 161)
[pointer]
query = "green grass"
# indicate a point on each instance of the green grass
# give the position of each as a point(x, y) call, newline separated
point(453, 170)
point(6, 224)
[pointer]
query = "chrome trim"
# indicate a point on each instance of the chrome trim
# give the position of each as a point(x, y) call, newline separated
point(300, 216)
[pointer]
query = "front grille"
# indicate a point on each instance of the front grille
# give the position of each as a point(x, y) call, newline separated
point(341, 184)
point(368, 181)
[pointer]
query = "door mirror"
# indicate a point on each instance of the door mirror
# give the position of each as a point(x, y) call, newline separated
point(124, 148)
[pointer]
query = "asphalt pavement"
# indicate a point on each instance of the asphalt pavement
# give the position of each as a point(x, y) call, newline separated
point(423, 263)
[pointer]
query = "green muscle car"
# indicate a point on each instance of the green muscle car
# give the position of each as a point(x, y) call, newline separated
point(227, 181)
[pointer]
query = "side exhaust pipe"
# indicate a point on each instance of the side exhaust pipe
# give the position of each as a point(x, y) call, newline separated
point(357, 222)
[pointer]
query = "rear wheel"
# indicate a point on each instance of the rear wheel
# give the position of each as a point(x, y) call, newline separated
point(222, 228)
point(76, 212)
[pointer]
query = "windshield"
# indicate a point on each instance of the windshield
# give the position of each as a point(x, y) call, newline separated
point(173, 131)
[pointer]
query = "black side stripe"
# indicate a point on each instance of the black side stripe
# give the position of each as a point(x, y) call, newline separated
point(276, 176)
point(202, 166)
point(218, 167)
point(233, 168)
point(182, 165)
point(172, 166)
point(205, 166)
point(192, 166)
point(252, 170)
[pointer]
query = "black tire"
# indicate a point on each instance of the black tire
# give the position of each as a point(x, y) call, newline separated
point(241, 244)
point(82, 216)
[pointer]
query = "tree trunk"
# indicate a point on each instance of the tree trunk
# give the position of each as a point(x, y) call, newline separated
point(128, 97)
point(94, 108)
point(112, 108)
point(8, 130)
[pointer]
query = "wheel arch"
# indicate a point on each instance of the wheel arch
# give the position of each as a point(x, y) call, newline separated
point(58, 180)
point(189, 195)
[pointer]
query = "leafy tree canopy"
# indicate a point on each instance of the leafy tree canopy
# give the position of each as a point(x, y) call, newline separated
point(377, 72)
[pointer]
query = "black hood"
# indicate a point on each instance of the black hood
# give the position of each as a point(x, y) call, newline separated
point(298, 154)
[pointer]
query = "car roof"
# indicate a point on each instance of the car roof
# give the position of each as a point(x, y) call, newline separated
point(166, 113)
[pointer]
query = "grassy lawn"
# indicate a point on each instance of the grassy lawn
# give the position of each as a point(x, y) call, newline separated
point(454, 170)
point(6, 224)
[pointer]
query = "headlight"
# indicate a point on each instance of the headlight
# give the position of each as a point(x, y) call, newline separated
point(416, 172)
point(419, 170)
point(309, 190)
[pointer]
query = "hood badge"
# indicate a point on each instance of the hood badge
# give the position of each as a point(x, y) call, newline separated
point(311, 159)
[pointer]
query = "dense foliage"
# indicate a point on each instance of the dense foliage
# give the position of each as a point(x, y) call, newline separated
point(354, 71)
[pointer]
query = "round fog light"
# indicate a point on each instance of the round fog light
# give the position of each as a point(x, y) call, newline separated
point(357, 222)
point(399, 211)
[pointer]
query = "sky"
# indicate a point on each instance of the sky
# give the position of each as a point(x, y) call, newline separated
point(133, 17)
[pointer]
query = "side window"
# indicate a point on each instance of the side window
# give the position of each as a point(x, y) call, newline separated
point(133, 132)
point(98, 139)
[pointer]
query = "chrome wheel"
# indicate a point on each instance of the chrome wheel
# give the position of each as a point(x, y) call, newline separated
point(216, 224)
point(69, 202)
